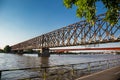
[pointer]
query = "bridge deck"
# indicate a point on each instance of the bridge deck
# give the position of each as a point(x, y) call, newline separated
point(109, 74)
point(80, 49)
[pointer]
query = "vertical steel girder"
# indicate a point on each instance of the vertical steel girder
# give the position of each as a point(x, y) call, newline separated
point(80, 33)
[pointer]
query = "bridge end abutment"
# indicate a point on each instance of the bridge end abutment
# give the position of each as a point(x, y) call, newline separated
point(44, 52)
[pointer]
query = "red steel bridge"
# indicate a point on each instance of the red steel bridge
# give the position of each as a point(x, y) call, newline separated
point(80, 33)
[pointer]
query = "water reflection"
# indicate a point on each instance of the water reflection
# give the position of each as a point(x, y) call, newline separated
point(44, 61)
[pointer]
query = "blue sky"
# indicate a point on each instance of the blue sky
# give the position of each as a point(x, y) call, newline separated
point(21, 20)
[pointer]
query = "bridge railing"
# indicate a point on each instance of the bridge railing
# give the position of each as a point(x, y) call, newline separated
point(70, 71)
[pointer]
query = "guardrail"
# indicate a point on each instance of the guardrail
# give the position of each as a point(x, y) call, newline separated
point(70, 71)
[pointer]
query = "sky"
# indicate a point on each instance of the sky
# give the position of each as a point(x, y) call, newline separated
point(21, 20)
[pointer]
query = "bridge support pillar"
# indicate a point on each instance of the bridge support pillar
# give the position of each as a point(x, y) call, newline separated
point(44, 52)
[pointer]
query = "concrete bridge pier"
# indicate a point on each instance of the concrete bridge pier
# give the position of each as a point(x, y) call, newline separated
point(44, 52)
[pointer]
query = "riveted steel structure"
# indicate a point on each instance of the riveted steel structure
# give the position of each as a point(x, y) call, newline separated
point(80, 33)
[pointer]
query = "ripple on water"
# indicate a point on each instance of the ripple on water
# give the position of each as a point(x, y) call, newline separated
point(10, 61)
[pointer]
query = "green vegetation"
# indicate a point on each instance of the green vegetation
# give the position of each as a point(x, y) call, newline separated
point(29, 51)
point(118, 53)
point(7, 49)
point(87, 9)
point(1, 51)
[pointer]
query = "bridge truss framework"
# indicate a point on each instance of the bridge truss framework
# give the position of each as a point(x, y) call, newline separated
point(80, 33)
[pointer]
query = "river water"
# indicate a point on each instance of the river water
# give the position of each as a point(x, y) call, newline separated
point(11, 61)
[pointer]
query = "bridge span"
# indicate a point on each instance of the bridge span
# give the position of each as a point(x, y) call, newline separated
point(84, 49)
point(80, 33)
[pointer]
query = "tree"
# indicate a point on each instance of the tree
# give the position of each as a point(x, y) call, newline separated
point(30, 51)
point(87, 9)
point(7, 49)
point(1, 51)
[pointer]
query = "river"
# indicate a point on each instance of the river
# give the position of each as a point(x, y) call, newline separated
point(11, 61)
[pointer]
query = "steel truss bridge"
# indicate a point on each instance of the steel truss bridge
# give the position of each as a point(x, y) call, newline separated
point(80, 33)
